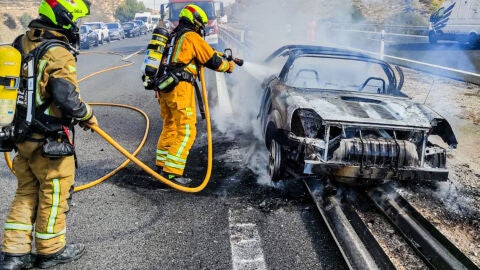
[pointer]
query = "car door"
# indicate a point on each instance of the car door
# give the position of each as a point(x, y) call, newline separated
point(266, 101)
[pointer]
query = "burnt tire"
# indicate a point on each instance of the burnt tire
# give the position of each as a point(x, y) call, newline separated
point(276, 160)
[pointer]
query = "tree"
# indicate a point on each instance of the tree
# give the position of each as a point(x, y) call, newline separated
point(126, 11)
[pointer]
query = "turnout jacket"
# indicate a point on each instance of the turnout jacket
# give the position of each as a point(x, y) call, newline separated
point(56, 80)
point(190, 47)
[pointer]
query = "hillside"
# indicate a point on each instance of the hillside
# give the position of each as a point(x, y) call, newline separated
point(11, 11)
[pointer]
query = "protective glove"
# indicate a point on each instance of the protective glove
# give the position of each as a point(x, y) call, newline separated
point(92, 121)
point(231, 66)
point(148, 83)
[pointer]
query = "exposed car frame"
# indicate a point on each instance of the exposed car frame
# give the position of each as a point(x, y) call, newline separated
point(351, 136)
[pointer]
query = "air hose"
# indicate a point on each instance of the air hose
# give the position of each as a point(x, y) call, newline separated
point(131, 156)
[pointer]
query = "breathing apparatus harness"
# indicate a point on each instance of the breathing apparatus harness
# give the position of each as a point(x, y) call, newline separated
point(30, 118)
point(170, 74)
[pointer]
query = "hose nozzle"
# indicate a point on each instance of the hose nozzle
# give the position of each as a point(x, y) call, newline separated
point(227, 54)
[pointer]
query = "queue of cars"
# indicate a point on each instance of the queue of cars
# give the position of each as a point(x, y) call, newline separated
point(95, 33)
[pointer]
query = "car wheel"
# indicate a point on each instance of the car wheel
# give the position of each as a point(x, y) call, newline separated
point(108, 39)
point(87, 45)
point(96, 42)
point(276, 160)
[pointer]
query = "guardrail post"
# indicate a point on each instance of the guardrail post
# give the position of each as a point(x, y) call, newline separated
point(382, 44)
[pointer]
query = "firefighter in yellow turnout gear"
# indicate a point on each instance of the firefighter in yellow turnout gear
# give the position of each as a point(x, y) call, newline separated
point(45, 183)
point(178, 107)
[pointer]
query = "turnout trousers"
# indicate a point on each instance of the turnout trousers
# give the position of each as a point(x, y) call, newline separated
point(178, 111)
point(40, 203)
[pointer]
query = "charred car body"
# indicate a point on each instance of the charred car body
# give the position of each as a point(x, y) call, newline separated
point(341, 113)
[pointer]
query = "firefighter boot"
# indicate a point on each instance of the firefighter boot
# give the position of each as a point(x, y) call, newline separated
point(12, 262)
point(182, 180)
point(70, 253)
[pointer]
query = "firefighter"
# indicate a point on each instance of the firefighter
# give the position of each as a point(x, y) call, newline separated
point(177, 107)
point(45, 184)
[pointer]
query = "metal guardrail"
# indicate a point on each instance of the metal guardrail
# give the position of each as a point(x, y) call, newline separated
point(231, 36)
point(421, 30)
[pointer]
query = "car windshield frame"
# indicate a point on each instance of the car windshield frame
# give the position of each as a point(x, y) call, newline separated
point(344, 73)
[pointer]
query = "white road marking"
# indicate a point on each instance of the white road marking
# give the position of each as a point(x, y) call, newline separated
point(224, 103)
point(130, 55)
point(245, 242)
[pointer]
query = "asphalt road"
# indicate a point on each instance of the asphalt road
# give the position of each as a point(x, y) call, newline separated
point(132, 221)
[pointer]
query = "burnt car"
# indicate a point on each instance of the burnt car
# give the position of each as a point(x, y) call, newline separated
point(88, 37)
point(339, 113)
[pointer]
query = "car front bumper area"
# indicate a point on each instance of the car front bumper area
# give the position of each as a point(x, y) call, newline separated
point(362, 175)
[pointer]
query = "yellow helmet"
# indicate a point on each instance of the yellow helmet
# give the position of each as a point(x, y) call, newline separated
point(64, 13)
point(195, 15)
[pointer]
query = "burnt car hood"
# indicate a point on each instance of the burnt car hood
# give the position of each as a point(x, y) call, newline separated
point(365, 109)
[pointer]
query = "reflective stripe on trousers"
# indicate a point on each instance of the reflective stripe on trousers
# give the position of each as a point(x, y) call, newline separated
point(40, 202)
point(178, 111)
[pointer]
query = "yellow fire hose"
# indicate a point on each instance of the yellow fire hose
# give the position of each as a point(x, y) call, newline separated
point(131, 156)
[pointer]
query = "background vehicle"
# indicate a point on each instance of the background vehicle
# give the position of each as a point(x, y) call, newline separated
point(88, 37)
point(339, 113)
point(214, 10)
point(456, 21)
point(142, 26)
point(155, 20)
point(101, 29)
point(115, 30)
point(145, 17)
point(131, 29)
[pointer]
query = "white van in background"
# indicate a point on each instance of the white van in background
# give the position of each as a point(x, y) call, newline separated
point(146, 17)
point(457, 21)
point(155, 20)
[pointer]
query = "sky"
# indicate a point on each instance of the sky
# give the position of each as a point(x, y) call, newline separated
point(155, 4)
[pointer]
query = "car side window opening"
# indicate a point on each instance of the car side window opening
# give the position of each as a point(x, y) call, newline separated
point(276, 64)
point(337, 74)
